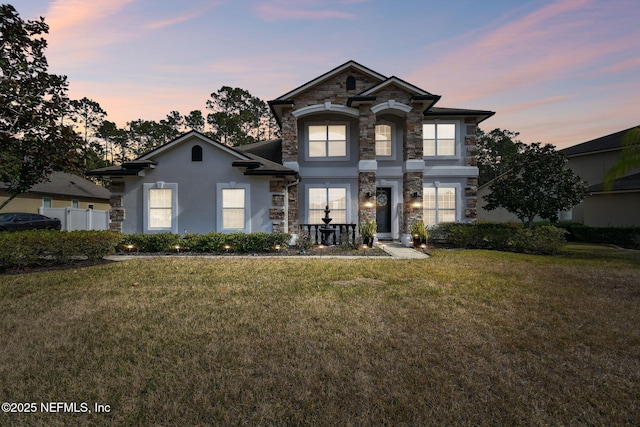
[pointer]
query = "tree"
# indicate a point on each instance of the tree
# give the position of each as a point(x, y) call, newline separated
point(236, 116)
point(539, 183)
point(89, 115)
point(195, 120)
point(33, 140)
point(117, 140)
point(146, 135)
point(629, 158)
point(496, 151)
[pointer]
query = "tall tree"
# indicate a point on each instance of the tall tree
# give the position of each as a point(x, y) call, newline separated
point(175, 121)
point(236, 116)
point(195, 120)
point(89, 115)
point(628, 159)
point(117, 141)
point(539, 183)
point(146, 135)
point(33, 141)
point(496, 151)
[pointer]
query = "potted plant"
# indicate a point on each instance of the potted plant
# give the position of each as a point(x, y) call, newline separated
point(419, 233)
point(368, 232)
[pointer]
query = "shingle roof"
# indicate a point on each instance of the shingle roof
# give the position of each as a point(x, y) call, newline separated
point(451, 112)
point(604, 143)
point(260, 158)
point(270, 150)
point(66, 184)
point(627, 183)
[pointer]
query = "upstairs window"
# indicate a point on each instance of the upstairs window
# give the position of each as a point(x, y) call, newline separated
point(439, 139)
point(196, 153)
point(383, 140)
point(326, 141)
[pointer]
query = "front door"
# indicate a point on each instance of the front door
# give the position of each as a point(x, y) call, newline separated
point(383, 210)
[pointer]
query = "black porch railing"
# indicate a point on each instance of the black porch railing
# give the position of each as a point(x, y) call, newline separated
point(342, 233)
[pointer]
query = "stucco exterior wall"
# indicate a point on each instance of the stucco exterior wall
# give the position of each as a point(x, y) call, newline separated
point(197, 190)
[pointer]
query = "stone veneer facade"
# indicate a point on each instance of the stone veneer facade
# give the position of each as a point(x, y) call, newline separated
point(332, 91)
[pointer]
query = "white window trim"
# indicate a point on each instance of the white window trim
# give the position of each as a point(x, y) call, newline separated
point(393, 141)
point(45, 200)
point(458, 188)
point(75, 202)
point(347, 187)
point(308, 158)
point(247, 207)
point(457, 144)
point(174, 206)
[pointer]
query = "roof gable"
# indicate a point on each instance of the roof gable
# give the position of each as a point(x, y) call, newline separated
point(395, 81)
point(187, 137)
point(326, 76)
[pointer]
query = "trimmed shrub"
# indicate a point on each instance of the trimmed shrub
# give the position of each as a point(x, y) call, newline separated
point(624, 236)
point(503, 237)
point(160, 242)
point(204, 243)
point(24, 248)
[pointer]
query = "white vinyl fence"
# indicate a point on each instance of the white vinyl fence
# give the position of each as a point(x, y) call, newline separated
point(78, 219)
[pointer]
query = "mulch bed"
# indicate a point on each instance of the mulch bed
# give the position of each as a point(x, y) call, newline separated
point(75, 264)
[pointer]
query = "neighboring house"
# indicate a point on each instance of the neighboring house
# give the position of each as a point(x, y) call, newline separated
point(591, 160)
point(63, 190)
point(618, 207)
point(365, 145)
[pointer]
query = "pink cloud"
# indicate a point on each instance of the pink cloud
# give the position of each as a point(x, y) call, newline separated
point(629, 64)
point(183, 17)
point(304, 10)
point(70, 13)
point(547, 44)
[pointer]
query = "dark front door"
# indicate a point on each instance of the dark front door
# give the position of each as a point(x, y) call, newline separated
point(383, 209)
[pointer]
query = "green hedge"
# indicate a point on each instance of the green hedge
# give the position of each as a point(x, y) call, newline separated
point(513, 237)
point(24, 248)
point(203, 243)
point(623, 236)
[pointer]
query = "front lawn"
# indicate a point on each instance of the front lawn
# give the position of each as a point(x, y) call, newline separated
point(462, 338)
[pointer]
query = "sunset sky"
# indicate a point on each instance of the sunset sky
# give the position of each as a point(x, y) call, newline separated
point(557, 71)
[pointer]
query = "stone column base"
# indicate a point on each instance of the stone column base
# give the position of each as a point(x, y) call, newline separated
point(407, 240)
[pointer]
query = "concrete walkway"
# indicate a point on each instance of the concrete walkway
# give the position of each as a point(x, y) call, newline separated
point(396, 250)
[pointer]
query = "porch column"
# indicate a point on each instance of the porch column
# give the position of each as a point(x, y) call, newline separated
point(412, 174)
point(290, 160)
point(367, 165)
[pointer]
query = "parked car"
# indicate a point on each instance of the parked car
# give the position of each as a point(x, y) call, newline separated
point(16, 221)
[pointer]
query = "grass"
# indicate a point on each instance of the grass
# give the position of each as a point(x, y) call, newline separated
point(463, 338)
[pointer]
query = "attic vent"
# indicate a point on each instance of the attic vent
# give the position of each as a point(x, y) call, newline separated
point(351, 83)
point(196, 153)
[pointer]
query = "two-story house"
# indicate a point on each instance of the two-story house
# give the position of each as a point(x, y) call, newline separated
point(365, 145)
point(376, 147)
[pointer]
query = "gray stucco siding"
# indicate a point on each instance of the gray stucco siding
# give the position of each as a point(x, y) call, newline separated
point(198, 190)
